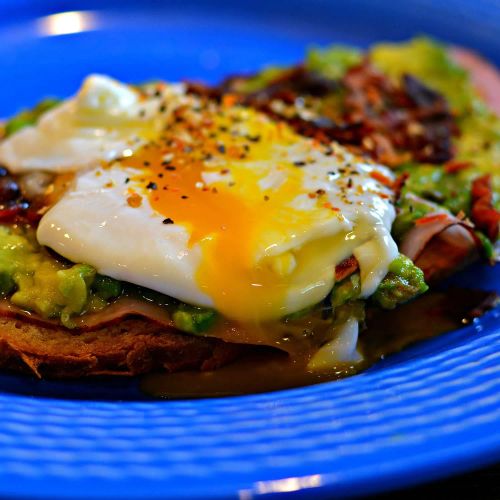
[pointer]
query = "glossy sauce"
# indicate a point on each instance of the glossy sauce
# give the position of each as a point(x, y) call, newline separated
point(270, 370)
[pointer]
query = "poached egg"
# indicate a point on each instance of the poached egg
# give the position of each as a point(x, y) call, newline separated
point(211, 203)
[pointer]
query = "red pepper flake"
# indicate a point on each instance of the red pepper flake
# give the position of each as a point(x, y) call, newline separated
point(134, 200)
point(229, 100)
point(380, 177)
point(330, 206)
point(484, 215)
point(427, 219)
point(311, 195)
point(455, 166)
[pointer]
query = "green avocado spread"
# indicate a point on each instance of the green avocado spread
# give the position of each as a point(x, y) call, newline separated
point(39, 282)
point(34, 279)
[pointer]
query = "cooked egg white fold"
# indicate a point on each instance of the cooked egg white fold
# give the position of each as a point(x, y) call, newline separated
point(105, 120)
point(342, 349)
point(94, 224)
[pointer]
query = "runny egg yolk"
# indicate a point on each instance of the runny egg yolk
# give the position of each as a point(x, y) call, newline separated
point(233, 218)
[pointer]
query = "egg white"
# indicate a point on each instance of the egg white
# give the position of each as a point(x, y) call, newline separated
point(105, 120)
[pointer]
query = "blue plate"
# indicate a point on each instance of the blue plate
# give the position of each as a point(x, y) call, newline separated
point(428, 412)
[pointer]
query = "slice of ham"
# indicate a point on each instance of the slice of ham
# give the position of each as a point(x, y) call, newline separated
point(439, 244)
point(485, 77)
point(114, 313)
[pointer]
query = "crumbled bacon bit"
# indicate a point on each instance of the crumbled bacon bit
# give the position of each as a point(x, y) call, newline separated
point(346, 268)
point(393, 122)
point(380, 177)
point(454, 166)
point(399, 184)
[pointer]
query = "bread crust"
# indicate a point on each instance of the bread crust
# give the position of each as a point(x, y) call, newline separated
point(131, 347)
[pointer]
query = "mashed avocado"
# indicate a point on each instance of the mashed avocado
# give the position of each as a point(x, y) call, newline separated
point(37, 281)
point(403, 282)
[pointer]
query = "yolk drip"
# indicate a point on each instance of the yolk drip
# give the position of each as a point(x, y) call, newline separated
point(231, 219)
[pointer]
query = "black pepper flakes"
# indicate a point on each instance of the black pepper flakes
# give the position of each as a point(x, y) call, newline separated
point(349, 183)
point(127, 180)
point(299, 163)
point(168, 220)
point(184, 197)
point(152, 185)
point(253, 138)
point(221, 148)
point(170, 167)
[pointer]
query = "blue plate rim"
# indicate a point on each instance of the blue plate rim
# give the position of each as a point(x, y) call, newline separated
point(366, 480)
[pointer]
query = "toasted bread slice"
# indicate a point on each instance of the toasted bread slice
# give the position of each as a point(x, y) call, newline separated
point(132, 347)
